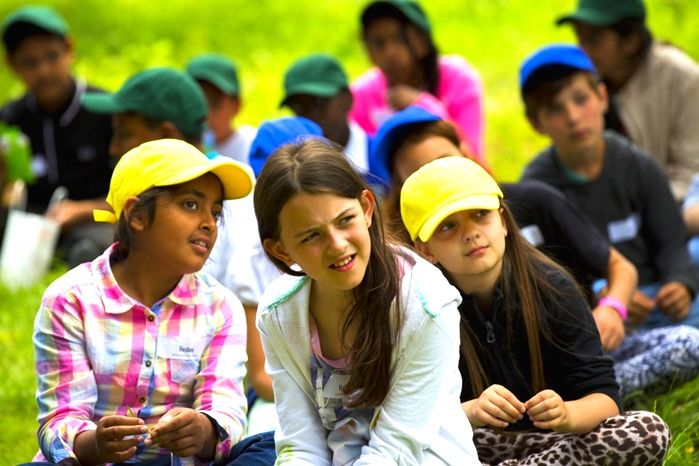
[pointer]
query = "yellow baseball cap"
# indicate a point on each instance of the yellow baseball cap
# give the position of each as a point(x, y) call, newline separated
point(441, 188)
point(167, 162)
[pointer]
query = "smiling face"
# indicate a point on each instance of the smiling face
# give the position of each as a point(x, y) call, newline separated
point(574, 120)
point(184, 226)
point(327, 236)
point(469, 245)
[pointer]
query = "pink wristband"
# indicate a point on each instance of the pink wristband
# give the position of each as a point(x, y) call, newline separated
point(618, 306)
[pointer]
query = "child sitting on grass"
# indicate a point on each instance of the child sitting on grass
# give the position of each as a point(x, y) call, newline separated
point(139, 356)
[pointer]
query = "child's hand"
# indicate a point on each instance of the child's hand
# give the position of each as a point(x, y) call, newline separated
point(110, 437)
point(185, 432)
point(496, 406)
point(547, 410)
point(402, 95)
point(639, 308)
point(674, 299)
point(610, 327)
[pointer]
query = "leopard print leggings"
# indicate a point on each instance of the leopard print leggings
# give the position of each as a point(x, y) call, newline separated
point(635, 438)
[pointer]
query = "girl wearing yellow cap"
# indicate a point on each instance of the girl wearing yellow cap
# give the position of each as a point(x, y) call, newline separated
point(537, 385)
point(140, 358)
point(361, 337)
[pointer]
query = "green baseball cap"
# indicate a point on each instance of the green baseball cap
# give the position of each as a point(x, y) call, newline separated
point(158, 93)
point(217, 70)
point(604, 12)
point(318, 74)
point(43, 17)
point(410, 9)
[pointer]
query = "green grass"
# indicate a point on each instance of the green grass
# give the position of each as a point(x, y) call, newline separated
point(117, 38)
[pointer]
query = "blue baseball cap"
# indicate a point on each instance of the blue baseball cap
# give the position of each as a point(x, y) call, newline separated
point(274, 133)
point(554, 55)
point(389, 135)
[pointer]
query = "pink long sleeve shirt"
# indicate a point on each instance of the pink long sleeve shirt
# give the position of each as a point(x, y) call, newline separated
point(459, 98)
point(99, 352)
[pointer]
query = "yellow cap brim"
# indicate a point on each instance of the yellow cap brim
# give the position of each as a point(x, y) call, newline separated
point(484, 201)
point(237, 179)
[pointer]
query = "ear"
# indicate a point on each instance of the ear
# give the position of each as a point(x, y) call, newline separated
point(276, 249)
point(135, 221)
point(603, 95)
point(367, 201)
point(234, 105)
point(70, 46)
point(424, 250)
point(169, 130)
point(534, 122)
point(502, 219)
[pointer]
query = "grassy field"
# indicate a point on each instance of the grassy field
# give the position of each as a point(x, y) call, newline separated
point(117, 38)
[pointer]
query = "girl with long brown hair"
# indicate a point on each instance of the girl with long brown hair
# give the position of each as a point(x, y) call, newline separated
point(361, 336)
point(538, 387)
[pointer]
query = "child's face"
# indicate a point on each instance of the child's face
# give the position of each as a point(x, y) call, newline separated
point(395, 51)
point(327, 236)
point(329, 113)
point(469, 245)
point(184, 226)
point(575, 118)
point(221, 110)
point(605, 47)
point(131, 130)
point(43, 64)
point(410, 157)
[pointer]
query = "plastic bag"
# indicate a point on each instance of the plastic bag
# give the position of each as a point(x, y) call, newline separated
point(29, 241)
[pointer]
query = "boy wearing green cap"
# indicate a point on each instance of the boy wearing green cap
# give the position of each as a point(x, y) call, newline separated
point(316, 87)
point(154, 104)
point(69, 143)
point(217, 76)
point(653, 86)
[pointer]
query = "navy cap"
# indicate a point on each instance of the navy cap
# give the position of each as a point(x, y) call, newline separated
point(389, 135)
point(554, 55)
point(274, 133)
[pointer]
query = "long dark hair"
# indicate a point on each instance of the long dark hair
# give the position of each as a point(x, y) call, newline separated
point(525, 281)
point(316, 166)
point(428, 63)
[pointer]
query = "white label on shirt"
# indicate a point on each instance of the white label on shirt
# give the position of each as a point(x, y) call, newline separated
point(624, 230)
point(39, 166)
point(533, 235)
point(181, 347)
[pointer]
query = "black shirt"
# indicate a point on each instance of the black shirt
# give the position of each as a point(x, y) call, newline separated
point(574, 363)
point(631, 204)
point(559, 229)
point(70, 147)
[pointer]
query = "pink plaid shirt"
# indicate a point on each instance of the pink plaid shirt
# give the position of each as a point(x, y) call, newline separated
point(99, 352)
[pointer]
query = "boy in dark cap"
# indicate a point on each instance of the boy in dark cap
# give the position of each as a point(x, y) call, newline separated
point(316, 87)
point(653, 86)
point(217, 76)
point(69, 143)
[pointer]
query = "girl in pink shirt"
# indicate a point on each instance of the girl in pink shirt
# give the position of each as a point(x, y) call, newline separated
point(409, 71)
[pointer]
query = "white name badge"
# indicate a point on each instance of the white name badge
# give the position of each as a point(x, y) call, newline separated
point(533, 235)
point(182, 347)
point(624, 230)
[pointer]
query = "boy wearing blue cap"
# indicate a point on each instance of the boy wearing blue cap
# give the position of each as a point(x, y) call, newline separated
point(69, 143)
point(653, 85)
point(218, 77)
point(620, 188)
